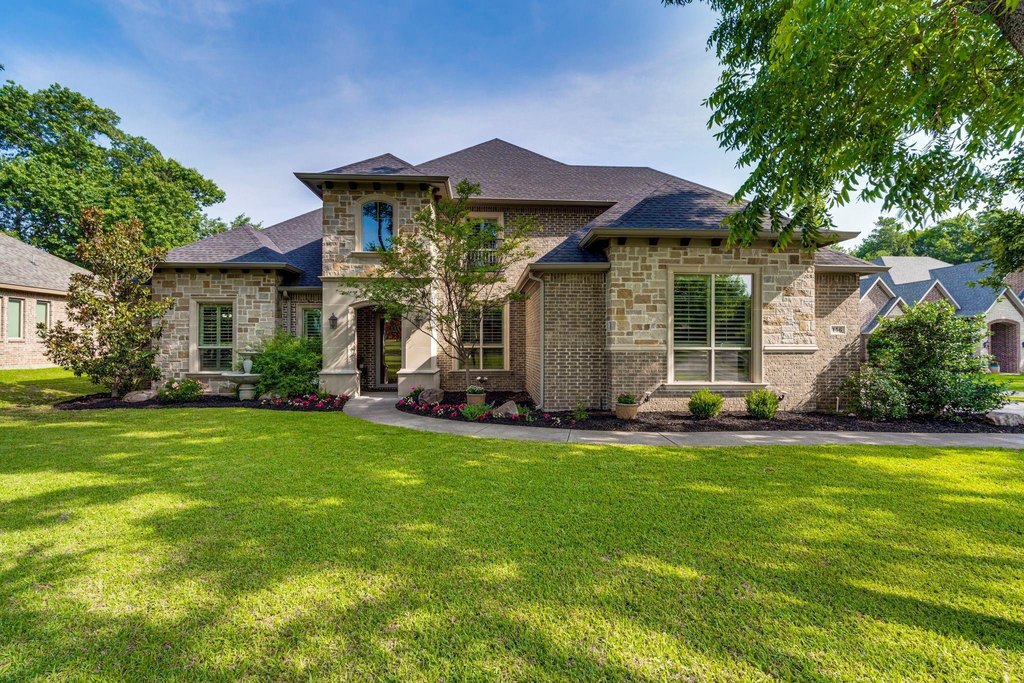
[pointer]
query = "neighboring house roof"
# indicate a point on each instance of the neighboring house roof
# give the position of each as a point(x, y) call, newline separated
point(911, 278)
point(25, 266)
point(294, 244)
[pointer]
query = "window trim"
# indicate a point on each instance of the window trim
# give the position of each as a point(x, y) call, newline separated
point(194, 359)
point(756, 317)
point(497, 216)
point(49, 313)
point(302, 320)
point(363, 201)
point(505, 314)
point(21, 318)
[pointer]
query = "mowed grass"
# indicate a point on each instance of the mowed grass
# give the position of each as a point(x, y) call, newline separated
point(40, 388)
point(193, 544)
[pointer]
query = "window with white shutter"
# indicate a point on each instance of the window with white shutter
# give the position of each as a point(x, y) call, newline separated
point(216, 337)
point(711, 327)
point(311, 318)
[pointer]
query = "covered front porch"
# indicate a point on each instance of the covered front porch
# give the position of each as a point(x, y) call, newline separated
point(365, 350)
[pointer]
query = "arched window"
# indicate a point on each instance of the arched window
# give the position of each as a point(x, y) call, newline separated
point(377, 225)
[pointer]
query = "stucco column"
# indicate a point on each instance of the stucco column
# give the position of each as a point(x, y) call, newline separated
point(339, 374)
point(419, 360)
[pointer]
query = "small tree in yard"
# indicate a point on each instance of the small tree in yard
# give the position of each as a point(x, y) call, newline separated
point(112, 311)
point(443, 273)
point(929, 355)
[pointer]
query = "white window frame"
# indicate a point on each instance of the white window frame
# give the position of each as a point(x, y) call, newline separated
point(195, 360)
point(49, 313)
point(756, 315)
point(360, 242)
point(21, 318)
point(504, 345)
point(498, 217)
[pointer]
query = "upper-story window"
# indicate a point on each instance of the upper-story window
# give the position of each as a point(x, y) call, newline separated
point(488, 232)
point(378, 224)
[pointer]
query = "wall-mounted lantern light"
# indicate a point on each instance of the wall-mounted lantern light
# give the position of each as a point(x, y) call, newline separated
point(334, 321)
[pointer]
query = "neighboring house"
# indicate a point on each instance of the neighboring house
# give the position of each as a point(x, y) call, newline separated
point(33, 289)
point(913, 279)
point(631, 289)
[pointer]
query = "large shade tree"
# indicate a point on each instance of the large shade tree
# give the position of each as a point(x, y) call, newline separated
point(916, 103)
point(61, 153)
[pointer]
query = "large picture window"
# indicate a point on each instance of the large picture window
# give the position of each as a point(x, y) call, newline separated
point(378, 220)
point(711, 328)
point(483, 334)
point(216, 337)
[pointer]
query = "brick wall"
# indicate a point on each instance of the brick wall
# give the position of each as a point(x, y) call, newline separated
point(872, 304)
point(574, 346)
point(257, 313)
point(28, 350)
point(532, 341)
point(513, 379)
point(292, 307)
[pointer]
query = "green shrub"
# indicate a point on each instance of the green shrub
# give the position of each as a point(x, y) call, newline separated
point(473, 412)
point(180, 391)
point(414, 395)
point(705, 404)
point(762, 404)
point(626, 399)
point(579, 413)
point(930, 351)
point(289, 365)
point(877, 394)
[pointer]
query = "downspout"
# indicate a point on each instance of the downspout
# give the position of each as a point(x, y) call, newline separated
point(540, 283)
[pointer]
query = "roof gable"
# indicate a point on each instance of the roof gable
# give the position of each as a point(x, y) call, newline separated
point(385, 164)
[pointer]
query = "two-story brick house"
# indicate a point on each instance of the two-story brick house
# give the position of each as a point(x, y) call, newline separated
point(631, 288)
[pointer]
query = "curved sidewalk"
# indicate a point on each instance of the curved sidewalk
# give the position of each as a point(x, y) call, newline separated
point(381, 409)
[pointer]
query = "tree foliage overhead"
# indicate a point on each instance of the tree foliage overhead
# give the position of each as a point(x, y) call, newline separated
point(447, 269)
point(916, 103)
point(114, 319)
point(61, 153)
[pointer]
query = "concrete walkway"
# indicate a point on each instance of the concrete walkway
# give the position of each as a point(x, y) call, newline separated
point(381, 409)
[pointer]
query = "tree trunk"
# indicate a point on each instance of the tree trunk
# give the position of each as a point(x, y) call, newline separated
point(1011, 24)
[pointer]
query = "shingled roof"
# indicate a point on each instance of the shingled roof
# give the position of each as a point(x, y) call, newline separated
point(22, 265)
point(294, 243)
point(633, 197)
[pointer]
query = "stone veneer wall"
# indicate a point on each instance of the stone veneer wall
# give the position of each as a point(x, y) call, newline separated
point(257, 314)
point(574, 340)
point(28, 351)
point(813, 381)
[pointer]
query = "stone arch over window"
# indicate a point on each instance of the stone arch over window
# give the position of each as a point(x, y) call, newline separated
point(377, 222)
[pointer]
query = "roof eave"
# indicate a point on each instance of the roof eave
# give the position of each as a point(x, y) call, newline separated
point(235, 265)
point(32, 289)
point(568, 267)
point(311, 180)
point(595, 234)
point(867, 269)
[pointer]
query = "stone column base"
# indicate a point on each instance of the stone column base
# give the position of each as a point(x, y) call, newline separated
point(409, 379)
point(340, 382)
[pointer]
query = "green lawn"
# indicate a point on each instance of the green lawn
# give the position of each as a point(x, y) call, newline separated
point(26, 388)
point(225, 544)
point(1012, 382)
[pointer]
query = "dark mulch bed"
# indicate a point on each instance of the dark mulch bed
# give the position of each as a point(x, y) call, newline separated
point(725, 422)
point(103, 401)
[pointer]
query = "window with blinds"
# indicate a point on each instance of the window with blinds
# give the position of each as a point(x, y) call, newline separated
point(711, 328)
point(216, 337)
point(483, 334)
point(311, 318)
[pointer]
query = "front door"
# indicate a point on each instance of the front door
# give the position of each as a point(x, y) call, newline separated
point(389, 355)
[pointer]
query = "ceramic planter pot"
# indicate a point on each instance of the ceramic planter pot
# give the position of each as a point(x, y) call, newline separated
point(626, 411)
point(475, 399)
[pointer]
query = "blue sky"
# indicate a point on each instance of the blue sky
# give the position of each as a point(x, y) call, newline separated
point(250, 91)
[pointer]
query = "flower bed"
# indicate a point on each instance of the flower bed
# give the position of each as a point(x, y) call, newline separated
point(309, 402)
point(683, 422)
point(319, 402)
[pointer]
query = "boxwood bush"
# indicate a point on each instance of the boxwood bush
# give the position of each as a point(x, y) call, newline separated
point(705, 404)
point(289, 365)
point(762, 404)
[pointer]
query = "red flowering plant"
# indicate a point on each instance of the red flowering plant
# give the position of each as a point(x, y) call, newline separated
point(313, 401)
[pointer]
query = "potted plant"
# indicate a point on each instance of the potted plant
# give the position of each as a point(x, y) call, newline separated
point(993, 366)
point(475, 395)
point(626, 406)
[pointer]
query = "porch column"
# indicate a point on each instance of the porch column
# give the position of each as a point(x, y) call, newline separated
point(339, 374)
point(419, 361)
